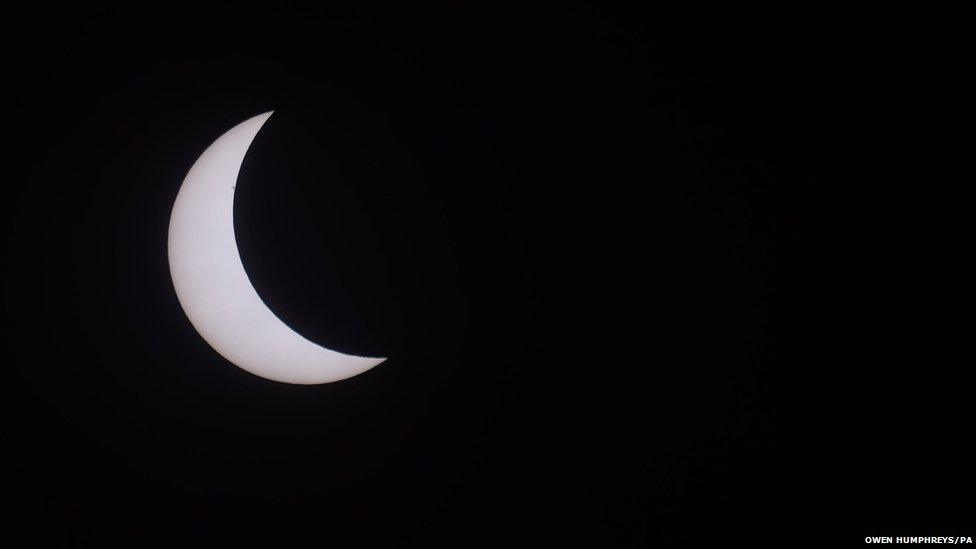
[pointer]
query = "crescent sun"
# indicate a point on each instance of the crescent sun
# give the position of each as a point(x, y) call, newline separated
point(214, 289)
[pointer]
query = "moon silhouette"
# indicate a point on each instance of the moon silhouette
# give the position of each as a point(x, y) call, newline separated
point(215, 291)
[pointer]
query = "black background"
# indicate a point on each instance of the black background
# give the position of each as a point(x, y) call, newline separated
point(632, 288)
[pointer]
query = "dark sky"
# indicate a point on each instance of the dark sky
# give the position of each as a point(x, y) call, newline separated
point(611, 254)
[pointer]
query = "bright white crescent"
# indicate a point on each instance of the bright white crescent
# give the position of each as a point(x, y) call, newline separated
point(214, 289)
